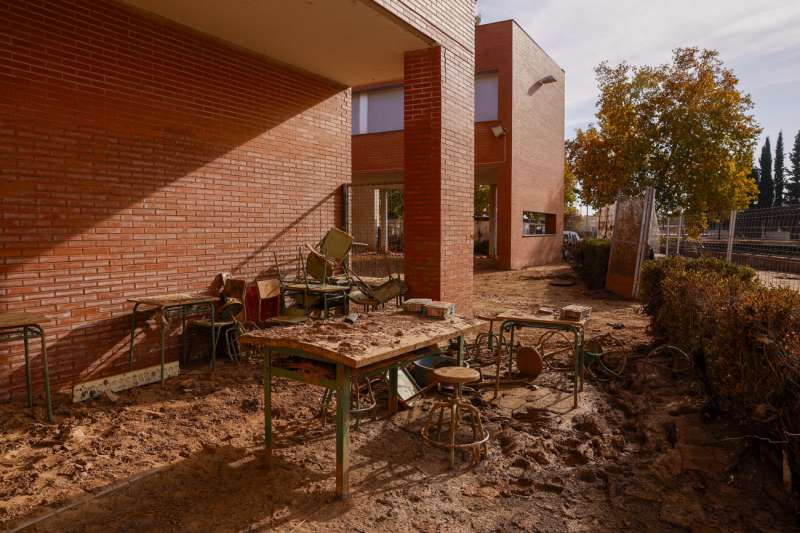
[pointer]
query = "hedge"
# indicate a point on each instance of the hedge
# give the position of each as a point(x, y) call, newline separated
point(745, 337)
point(593, 256)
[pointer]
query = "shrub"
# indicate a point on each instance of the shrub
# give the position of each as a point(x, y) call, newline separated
point(655, 272)
point(745, 337)
point(593, 256)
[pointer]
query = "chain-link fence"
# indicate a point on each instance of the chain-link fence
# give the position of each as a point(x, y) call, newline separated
point(767, 240)
point(375, 220)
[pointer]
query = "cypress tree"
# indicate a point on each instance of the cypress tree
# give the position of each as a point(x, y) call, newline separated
point(778, 166)
point(793, 185)
point(755, 175)
point(766, 188)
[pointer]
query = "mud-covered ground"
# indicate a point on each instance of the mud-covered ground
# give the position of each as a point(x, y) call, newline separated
point(639, 453)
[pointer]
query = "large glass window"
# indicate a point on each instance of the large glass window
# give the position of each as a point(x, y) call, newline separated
point(534, 223)
point(486, 96)
point(385, 110)
point(378, 110)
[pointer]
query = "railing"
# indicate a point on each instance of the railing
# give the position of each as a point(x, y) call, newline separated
point(767, 240)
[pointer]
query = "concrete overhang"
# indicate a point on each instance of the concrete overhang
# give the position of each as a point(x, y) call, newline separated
point(353, 42)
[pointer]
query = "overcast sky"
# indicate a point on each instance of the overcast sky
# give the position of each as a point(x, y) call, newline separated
point(758, 39)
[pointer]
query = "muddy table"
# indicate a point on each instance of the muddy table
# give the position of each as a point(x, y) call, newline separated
point(332, 354)
point(513, 321)
point(25, 326)
point(167, 305)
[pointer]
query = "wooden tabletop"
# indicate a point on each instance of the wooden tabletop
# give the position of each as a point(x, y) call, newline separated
point(19, 320)
point(168, 300)
point(374, 338)
point(538, 318)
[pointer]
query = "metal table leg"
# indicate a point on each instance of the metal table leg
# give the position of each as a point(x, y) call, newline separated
point(27, 367)
point(213, 339)
point(393, 389)
point(578, 359)
point(164, 324)
point(267, 378)
point(343, 431)
point(133, 336)
point(183, 334)
point(46, 372)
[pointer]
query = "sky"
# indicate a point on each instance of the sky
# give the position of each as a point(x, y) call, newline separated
point(758, 39)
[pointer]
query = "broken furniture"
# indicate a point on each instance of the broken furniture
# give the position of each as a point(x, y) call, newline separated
point(166, 307)
point(488, 349)
point(313, 285)
point(373, 297)
point(227, 325)
point(26, 326)
point(362, 398)
point(512, 322)
point(267, 289)
point(456, 376)
point(378, 342)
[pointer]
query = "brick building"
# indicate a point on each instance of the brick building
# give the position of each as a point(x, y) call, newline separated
point(146, 145)
point(519, 147)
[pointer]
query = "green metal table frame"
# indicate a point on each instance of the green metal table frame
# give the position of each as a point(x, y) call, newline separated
point(342, 386)
point(510, 325)
point(27, 332)
point(164, 311)
point(328, 298)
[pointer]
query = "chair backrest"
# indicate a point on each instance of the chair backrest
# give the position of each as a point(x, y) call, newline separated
point(317, 268)
point(268, 288)
point(336, 245)
point(234, 288)
point(230, 311)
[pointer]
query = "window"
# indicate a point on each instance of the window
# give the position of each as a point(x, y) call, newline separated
point(378, 110)
point(486, 97)
point(534, 223)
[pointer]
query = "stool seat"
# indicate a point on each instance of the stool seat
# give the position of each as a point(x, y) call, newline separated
point(456, 374)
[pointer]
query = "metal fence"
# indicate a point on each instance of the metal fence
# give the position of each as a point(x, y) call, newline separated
point(768, 240)
point(374, 215)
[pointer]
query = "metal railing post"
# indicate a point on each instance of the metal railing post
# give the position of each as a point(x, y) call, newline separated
point(680, 232)
point(731, 231)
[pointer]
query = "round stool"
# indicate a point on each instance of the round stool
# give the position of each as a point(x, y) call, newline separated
point(456, 405)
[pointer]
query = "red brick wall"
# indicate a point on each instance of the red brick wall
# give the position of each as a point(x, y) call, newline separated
point(537, 151)
point(493, 51)
point(378, 152)
point(137, 157)
point(422, 193)
point(439, 159)
point(382, 152)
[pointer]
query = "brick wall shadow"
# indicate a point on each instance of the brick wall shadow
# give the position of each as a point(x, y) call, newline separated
point(139, 157)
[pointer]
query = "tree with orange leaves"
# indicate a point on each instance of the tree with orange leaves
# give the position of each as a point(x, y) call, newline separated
point(683, 128)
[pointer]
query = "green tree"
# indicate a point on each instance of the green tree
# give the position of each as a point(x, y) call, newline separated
point(394, 204)
point(766, 187)
point(779, 171)
point(482, 199)
point(793, 185)
point(683, 128)
point(570, 191)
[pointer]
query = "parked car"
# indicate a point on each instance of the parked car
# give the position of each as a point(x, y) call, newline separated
point(571, 238)
point(571, 242)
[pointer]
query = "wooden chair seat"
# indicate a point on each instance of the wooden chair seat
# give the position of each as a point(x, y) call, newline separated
point(457, 375)
point(315, 288)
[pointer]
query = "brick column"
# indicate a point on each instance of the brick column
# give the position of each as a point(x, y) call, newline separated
point(439, 176)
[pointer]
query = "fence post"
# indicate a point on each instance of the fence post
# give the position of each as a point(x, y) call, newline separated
point(666, 252)
point(680, 232)
point(731, 231)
